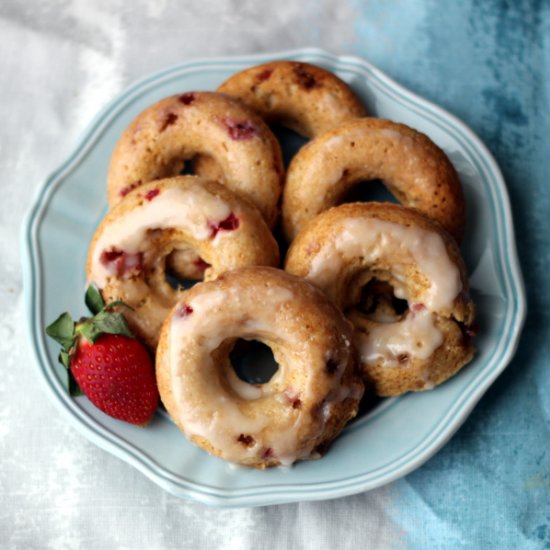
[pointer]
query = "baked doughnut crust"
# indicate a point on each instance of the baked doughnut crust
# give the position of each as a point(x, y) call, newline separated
point(352, 250)
point(217, 229)
point(307, 402)
point(414, 169)
point(303, 97)
point(159, 140)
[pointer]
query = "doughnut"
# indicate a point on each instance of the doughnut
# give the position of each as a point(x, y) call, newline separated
point(217, 229)
point(300, 410)
point(303, 97)
point(159, 140)
point(400, 279)
point(413, 168)
point(297, 95)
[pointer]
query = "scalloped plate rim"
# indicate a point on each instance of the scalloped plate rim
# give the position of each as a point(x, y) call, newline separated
point(262, 495)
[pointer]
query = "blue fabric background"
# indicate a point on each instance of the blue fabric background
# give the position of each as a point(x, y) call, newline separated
point(489, 64)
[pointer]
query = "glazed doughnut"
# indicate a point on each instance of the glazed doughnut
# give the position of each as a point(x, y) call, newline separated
point(218, 230)
point(303, 97)
point(159, 140)
point(372, 257)
point(300, 410)
point(415, 170)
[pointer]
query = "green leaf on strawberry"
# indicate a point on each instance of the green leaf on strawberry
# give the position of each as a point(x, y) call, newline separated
point(62, 330)
point(105, 322)
point(105, 361)
point(94, 300)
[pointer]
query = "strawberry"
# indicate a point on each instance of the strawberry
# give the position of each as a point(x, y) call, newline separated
point(106, 362)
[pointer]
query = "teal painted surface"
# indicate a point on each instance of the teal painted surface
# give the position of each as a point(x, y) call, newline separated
point(488, 63)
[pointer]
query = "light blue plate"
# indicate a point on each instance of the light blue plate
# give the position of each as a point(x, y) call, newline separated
point(395, 438)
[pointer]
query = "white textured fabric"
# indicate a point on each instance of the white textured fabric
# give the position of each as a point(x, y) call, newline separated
point(61, 61)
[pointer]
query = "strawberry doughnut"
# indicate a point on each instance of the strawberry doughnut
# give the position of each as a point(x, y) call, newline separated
point(159, 140)
point(401, 281)
point(300, 96)
point(218, 230)
point(412, 167)
point(300, 410)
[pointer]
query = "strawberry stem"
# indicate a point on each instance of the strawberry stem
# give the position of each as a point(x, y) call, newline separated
point(105, 322)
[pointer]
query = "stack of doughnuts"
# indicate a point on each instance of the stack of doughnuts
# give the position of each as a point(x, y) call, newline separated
point(372, 295)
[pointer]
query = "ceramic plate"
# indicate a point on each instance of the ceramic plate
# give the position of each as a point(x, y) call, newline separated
point(389, 442)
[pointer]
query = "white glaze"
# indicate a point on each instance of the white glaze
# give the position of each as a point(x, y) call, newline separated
point(243, 389)
point(415, 336)
point(221, 417)
point(378, 240)
point(220, 421)
point(192, 209)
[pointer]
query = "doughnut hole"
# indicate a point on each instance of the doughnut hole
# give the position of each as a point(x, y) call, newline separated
point(248, 365)
point(290, 140)
point(378, 302)
point(184, 267)
point(253, 361)
point(258, 376)
point(188, 167)
point(174, 267)
point(374, 190)
point(373, 301)
point(371, 293)
point(207, 166)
